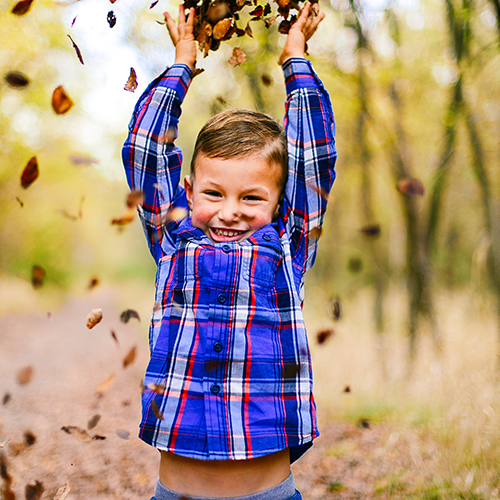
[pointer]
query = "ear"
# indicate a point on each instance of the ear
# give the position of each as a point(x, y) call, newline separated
point(188, 186)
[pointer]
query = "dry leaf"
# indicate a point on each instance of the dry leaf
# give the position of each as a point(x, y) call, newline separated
point(130, 357)
point(6, 398)
point(24, 375)
point(158, 388)
point(126, 315)
point(372, 230)
point(347, 389)
point(266, 80)
point(315, 233)
point(125, 218)
point(104, 386)
point(93, 421)
point(34, 491)
point(80, 433)
point(122, 433)
point(73, 22)
point(29, 438)
point(93, 283)
point(291, 370)
point(131, 84)
point(77, 50)
point(238, 57)
point(115, 338)
point(156, 410)
point(30, 173)
point(16, 80)
point(22, 7)
point(336, 309)
point(323, 335)
point(93, 318)
point(7, 493)
point(135, 198)
point(37, 277)
point(80, 160)
point(153, 4)
point(62, 492)
point(61, 102)
point(410, 187)
point(19, 201)
point(221, 28)
point(111, 19)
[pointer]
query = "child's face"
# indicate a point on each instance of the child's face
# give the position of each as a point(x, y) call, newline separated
point(230, 199)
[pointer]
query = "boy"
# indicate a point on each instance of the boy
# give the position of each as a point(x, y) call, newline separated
point(228, 390)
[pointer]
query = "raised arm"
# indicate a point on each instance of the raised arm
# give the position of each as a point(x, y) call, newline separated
point(152, 162)
point(312, 154)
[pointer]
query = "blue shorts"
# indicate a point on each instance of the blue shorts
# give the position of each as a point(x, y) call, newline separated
point(283, 491)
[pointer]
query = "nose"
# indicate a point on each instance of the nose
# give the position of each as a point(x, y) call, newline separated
point(229, 211)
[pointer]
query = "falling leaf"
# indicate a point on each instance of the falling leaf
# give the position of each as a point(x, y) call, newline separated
point(7, 493)
point(238, 57)
point(269, 21)
point(125, 218)
point(34, 491)
point(221, 28)
point(291, 370)
point(93, 283)
point(319, 190)
point(355, 264)
point(115, 338)
point(371, 231)
point(61, 102)
point(336, 309)
point(93, 421)
point(130, 357)
point(111, 19)
point(80, 160)
point(37, 276)
point(410, 187)
point(22, 7)
point(156, 410)
point(122, 433)
point(131, 84)
point(6, 398)
point(212, 365)
point(347, 389)
point(29, 438)
point(176, 214)
point(316, 233)
point(134, 198)
point(258, 11)
point(93, 318)
point(16, 80)
point(197, 71)
point(24, 375)
point(19, 201)
point(30, 173)
point(266, 80)
point(323, 335)
point(158, 388)
point(364, 423)
point(112, 1)
point(154, 4)
point(73, 22)
point(128, 314)
point(80, 433)
point(248, 30)
point(104, 386)
point(97, 437)
point(62, 492)
point(77, 50)
point(16, 448)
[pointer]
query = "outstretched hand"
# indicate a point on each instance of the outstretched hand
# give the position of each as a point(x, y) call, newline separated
point(300, 32)
point(182, 37)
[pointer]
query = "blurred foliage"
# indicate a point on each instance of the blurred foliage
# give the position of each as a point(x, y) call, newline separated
point(420, 64)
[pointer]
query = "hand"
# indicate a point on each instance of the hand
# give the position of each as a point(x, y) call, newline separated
point(182, 37)
point(300, 32)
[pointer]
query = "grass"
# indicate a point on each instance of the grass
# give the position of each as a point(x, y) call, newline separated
point(450, 405)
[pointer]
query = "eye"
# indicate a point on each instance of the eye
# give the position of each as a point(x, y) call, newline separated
point(252, 197)
point(213, 193)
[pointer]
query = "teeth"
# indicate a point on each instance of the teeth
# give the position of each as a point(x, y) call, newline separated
point(229, 234)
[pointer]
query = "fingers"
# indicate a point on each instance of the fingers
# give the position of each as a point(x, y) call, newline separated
point(309, 20)
point(172, 28)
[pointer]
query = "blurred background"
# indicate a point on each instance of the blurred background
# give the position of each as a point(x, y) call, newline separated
point(403, 302)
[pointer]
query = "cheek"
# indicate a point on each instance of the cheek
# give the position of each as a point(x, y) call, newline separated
point(261, 219)
point(201, 215)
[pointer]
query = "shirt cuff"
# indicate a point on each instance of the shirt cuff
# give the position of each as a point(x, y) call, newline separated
point(177, 77)
point(299, 74)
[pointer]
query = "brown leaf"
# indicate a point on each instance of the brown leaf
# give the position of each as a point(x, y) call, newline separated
point(115, 338)
point(77, 50)
point(111, 19)
point(104, 386)
point(371, 231)
point(130, 357)
point(134, 198)
point(217, 11)
point(266, 80)
point(410, 187)
point(19, 201)
point(80, 160)
point(22, 7)
point(258, 11)
point(319, 190)
point(315, 233)
point(248, 30)
point(154, 4)
point(122, 433)
point(6, 398)
point(336, 309)
point(221, 28)
point(80, 433)
point(323, 335)
point(24, 375)
point(291, 370)
point(347, 389)
point(125, 218)
point(37, 276)
point(61, 102)
point(158, 388)
point(128, 314)
point(7, 493)
point(62, 492)
point(30, 173)
point(93, 283)
point(93, 421)
point(34, 491)
point(93, 318)
point(364, 423)
point(131, 84)
point(29, 438)
point(269, 21)
point(156, 410)
point(238, 57)
point(16, 80)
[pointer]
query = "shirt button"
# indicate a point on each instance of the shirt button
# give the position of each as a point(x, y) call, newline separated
point(215, 389)
point(221, 298)
point(218, 346)
point(226, 248)
point(266, 237)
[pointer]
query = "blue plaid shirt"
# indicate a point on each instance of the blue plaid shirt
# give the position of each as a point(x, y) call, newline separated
point(230, 372)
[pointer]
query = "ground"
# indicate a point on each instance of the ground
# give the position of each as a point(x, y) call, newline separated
point(79, 373)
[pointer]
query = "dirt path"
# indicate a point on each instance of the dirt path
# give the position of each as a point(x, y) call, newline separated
point(69, 362)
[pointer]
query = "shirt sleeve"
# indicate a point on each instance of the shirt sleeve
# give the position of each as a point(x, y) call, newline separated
point(152, 162)
point(310, 129)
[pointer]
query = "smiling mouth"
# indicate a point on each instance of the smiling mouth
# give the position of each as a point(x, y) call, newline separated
point(226, 233)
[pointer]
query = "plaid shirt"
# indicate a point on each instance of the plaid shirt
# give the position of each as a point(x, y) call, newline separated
point(230, 371)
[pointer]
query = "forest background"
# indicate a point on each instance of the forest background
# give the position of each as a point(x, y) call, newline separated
point(403, 302)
